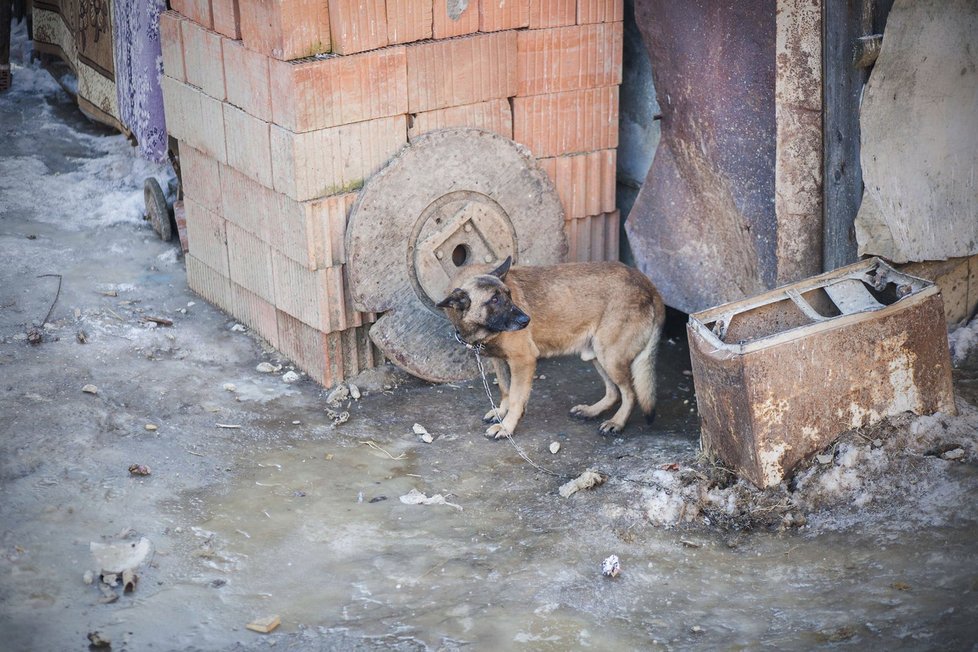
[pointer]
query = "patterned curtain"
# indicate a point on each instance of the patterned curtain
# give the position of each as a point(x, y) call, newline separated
point(138, 69)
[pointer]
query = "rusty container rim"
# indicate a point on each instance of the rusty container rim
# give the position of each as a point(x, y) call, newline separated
point(868, 271)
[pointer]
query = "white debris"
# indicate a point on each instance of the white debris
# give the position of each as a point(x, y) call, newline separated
point(90, 389)
point(610, 567)
point(238, 328)
point(290, 377)
point(266, 368)
point(354, 392)
point(587, 480)
point(421, 432)
point(230, 387)
point(955, 454)
point(554, 447)
point(114, 558)
point(415, 497)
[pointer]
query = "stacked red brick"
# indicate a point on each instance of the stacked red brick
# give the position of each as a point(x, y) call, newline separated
point(284, 107)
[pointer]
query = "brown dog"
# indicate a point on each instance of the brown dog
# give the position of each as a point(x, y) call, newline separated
point(605, 312)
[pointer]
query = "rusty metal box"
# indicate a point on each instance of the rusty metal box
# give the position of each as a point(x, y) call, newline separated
point(781, 375)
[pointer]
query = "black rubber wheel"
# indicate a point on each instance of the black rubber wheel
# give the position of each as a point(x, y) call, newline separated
point(157, 212)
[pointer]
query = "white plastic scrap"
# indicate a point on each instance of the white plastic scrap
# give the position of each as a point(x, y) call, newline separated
point(610, 567)
point(587, 480)
point(415, 497)
point(120, 556)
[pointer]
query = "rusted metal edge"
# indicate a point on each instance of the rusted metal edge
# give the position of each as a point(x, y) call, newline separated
point(921, 289)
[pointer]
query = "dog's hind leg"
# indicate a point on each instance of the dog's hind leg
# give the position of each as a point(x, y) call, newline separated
point(502, 378)
point(609, 399)
point(621, 375)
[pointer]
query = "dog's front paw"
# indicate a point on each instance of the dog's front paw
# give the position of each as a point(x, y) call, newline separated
point(495, 416)
point(498, 431)
point(583, 412)
point(611, 427)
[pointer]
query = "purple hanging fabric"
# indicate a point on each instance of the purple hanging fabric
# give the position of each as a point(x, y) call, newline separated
point(138, 70)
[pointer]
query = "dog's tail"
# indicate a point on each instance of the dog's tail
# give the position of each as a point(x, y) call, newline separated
point(643, 370)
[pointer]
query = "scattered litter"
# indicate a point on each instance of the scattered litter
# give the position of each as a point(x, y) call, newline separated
point(338, 417)
point(338, 394)
point(82, 337)
point(421, 432)
point(670, 466)
point(264, 625)
point(328, 457)
point(290, 377)
point(689, 544)
point(129, 579)
point(372, 444)
point(415, 497)
point(34, 336)
point(611, 567)
point(152, 427)
point(114, 558)
point(90, 389)
point(99, 641)
point(238, 328)
point(230, 387)
point(554, 447)
point(229, 426)
point(162, 321)
point(88, 577)
point(296, 422)
point(354, 392)
point(139, 469)
point(266, 368)
point(955, 454)
point(587, 480)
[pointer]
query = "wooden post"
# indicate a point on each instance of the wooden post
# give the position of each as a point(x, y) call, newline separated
point(845, 22)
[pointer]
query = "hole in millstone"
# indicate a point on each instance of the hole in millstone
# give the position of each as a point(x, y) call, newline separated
point(460, 255)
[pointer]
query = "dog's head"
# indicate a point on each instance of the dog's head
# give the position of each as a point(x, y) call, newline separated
point(482, 306)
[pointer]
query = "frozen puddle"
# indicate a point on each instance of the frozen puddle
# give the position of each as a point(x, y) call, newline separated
point(319, 536)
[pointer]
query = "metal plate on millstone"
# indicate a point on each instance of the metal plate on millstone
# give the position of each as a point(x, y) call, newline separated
point(452, 198)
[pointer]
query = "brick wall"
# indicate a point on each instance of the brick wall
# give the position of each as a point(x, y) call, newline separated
point(283, 109)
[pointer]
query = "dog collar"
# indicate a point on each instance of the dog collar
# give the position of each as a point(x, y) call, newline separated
point(471, 347)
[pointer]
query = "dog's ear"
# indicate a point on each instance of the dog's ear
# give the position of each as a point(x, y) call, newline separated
point(457, 300)
point(500, 272)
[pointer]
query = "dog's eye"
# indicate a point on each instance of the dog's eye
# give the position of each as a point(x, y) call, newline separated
point(494, 300)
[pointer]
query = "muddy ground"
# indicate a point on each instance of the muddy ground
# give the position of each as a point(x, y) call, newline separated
point(289, 513)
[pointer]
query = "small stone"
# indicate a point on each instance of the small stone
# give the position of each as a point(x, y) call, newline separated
point(139, 469)
point(290, 377)
point(230, 387)
point(554, 447)
point(191, 304)
point(423, 433)
point(354, 392)
point(238, 328)
point(877, 443)
point(90, 389)
point(543, 376)
point(824, 458)
point(88, 577)
point(296, 422)
point(338, 394)
point(265, 368)
point(954, 454)
point(99, 641)
point(152, 427)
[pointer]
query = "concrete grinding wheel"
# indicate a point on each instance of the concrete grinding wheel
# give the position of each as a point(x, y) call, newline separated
point(451, 198)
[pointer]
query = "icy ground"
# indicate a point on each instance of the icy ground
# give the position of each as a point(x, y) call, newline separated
point(871, 545)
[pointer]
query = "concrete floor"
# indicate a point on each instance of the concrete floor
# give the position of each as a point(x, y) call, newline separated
point(292, 515)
